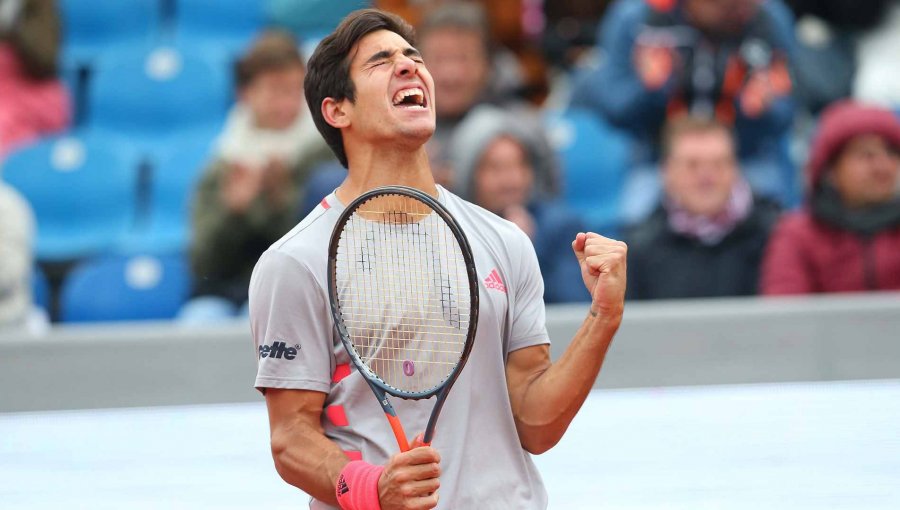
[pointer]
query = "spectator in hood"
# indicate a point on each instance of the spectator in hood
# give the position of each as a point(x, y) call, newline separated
point(498, 166)
point(722, 59)
point(847, 237)
point(33, 102)
point(248, 195)
point(707, 236)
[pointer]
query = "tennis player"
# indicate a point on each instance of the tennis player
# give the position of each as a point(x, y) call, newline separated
point(373, 101)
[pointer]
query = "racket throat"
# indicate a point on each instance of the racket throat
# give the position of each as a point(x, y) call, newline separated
point(399, 433)
point(432, 421)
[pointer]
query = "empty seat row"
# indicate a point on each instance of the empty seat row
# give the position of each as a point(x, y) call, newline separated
point(221, 27)
point(119, 288)
point(93, 195)
point(150, 97)
point(218, 28)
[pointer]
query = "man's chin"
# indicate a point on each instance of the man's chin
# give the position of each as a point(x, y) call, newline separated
point(418, 134)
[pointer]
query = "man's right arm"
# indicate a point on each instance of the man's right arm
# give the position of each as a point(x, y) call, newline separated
point(303, 456)
point(307, 459)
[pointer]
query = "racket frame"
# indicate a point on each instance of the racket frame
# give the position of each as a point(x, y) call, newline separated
point(380, 388)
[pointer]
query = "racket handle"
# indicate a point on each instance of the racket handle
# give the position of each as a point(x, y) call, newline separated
point(399, 433)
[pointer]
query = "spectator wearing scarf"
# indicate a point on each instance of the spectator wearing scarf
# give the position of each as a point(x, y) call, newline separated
point(706, 237)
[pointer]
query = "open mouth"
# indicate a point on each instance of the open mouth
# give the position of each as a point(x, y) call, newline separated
point(410, 98)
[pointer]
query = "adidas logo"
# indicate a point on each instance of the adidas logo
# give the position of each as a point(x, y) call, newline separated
point(342, 486)
point(278, 350)
point(493, 281)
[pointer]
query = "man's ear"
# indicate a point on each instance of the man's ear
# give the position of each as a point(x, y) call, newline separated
point(335, 112)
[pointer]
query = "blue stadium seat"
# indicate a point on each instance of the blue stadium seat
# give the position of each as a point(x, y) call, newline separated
point(94, 27)
point(594, 159)
point(82, 191)
point(220, 27)
point(154, 97)
point(308, 17)
point(166, 228)
point(120, 288)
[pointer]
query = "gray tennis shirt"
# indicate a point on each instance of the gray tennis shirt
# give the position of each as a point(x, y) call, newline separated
point(483, 464)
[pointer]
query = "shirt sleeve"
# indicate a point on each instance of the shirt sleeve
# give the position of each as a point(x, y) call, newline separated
point(528, 315)
point(291, 323)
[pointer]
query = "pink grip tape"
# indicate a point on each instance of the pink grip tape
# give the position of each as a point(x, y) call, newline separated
point(357, 486)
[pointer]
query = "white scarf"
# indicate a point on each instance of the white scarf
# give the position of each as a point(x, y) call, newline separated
point(243, 142)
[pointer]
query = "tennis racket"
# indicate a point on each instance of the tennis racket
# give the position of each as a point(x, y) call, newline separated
point(404, 297)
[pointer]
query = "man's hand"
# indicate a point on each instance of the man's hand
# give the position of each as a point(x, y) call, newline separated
point(654, 65)
point(763, 88)
point(602, 262)
point(410, 480)
point(241, 185)
point(276, 182)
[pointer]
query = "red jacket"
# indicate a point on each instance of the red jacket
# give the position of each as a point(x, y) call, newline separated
point(807, 256)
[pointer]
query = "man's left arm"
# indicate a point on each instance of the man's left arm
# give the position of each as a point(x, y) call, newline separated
point(546, 396)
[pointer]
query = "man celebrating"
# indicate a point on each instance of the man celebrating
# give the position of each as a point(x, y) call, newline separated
point(372, 99)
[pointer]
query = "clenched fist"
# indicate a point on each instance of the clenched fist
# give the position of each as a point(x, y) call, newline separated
point(410, 480)
point(603, 264)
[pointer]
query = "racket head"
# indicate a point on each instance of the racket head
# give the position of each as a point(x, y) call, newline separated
point(424, 239)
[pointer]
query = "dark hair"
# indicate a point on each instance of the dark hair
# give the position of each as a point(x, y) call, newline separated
point(274, 50)
point(684, 125)
point(328, 73)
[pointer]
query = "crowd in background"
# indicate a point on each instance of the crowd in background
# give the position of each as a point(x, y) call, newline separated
point(762, 153)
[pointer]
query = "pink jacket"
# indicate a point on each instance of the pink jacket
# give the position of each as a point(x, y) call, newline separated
point(807, 256)
point(28, 108)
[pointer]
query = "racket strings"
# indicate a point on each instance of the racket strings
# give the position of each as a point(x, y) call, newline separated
point(403, 292)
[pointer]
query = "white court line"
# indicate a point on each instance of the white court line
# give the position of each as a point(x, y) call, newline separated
point(785, 446)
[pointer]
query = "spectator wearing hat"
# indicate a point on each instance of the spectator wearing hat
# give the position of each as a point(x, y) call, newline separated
point(247, 197)
point(707, 236)
point(847, 237)
point(499, 167)
point(33, 102)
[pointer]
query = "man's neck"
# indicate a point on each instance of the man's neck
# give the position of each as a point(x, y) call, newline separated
point(382, 168)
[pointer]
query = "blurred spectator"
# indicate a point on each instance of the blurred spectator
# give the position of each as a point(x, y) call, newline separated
point(455, 43)
point(706, 238)
point(710, 58)
point(16, 258)
point(248, 195)
point(32, 101)
point(848, 236)
point(877, 78)
point(497, 164)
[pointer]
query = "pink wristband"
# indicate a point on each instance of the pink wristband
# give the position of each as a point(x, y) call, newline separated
point(357, 486)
